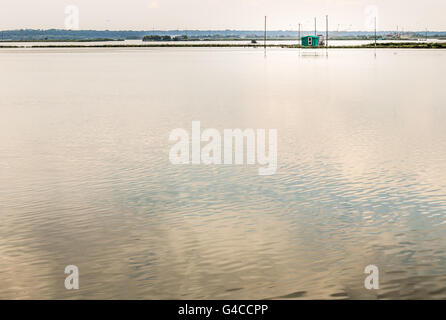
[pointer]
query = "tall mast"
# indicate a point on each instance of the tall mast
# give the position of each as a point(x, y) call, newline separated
point(326, 31)
point(315, 27)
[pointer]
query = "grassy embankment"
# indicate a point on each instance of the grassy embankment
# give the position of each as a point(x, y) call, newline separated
point(394, 45)
point(64, 40)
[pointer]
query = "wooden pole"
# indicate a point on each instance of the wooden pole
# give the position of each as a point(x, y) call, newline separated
point(326, 31)
point(264, 36)
point(375, 32)
point(315, 27)
point(300, 38)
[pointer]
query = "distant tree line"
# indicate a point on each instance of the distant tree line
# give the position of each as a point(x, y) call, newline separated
point(164, 38)
point(60, 34)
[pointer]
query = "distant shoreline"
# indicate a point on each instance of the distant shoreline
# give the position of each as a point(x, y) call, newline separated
point(65, 40)
point(390, 45)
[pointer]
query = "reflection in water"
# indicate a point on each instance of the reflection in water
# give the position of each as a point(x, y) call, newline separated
point(87, 179)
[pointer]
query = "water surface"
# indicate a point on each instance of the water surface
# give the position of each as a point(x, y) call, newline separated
point(86, 179)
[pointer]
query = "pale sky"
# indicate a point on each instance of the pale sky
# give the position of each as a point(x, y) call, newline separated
point(225, 14)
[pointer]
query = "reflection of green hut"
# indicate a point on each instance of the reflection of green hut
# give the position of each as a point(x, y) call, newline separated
point(310, 41)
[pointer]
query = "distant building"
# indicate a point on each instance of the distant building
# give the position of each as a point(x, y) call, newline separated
point(310, 41)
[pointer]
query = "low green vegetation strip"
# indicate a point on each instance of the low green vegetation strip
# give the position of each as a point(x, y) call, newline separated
point(390, 45)
point(411, 45)
point(64, 40)
point(210, 45)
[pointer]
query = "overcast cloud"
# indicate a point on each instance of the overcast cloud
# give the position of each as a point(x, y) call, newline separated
point(224, 14)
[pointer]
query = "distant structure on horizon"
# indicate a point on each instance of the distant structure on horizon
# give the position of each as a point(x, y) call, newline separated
point(310, 41)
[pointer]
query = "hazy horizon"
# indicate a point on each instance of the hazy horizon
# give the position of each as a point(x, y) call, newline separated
point(214, 30)
point(345, 15)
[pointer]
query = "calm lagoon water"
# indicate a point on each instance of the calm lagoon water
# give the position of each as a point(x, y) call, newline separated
point(86, 179)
